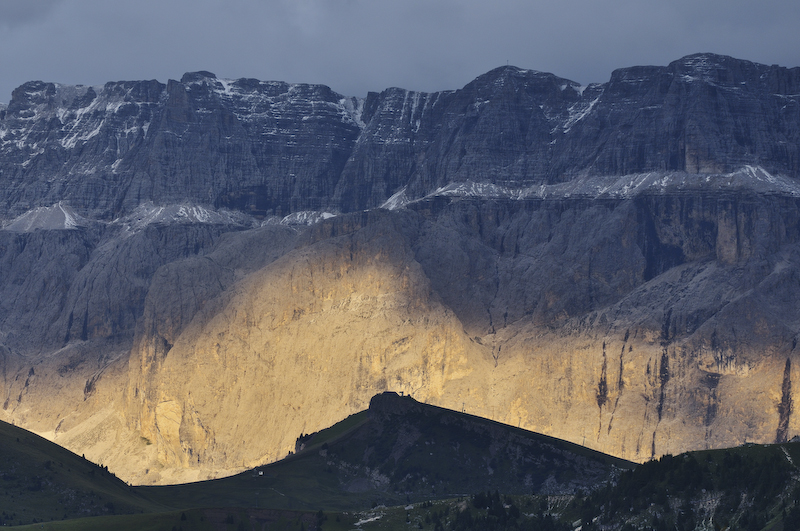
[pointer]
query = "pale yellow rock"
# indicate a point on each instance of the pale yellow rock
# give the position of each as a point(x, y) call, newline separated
point(309, 339)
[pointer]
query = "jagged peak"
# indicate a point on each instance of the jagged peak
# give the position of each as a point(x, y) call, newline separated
point(635, 74)
point(705, 67)
point(505, 78)
point(724, 70)
point(244, 86)
point(66, 97)
point(704, 61)
point(515, 72)
point(34, 87)
point(488, 77)
point(75, 96)
point(197, 77)
point(511, 70)
point(32, 92)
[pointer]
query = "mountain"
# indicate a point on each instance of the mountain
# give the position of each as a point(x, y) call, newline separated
point(194, 274)
point(272, 148)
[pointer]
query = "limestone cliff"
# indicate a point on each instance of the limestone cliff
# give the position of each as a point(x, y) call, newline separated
point(616, 265)
point(272, 148)
point(614, 346)
point(636, 326)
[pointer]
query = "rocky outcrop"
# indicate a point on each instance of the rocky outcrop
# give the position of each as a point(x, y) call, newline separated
point(255, 146)
point(79, 284)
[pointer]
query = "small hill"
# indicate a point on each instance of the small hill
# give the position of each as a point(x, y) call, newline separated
point(41, 481)
point(402, 463)
point(420, 451)
point(402, 451)
point(396, 452)
point(752, 487)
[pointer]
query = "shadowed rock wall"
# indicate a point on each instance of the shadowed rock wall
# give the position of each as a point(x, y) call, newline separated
point(271, 148)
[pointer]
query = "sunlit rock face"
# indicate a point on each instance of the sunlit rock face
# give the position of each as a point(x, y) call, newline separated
point(665, 316)
point(594, 333)
point(636, 326)
point(297, 346)
point(188, 282)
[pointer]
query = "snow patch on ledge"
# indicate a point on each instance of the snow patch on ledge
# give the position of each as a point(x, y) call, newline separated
point(752, 178)
point(149, 214)
point(398, 200)
point(306, 217)
point(476, 189)
point(56, 217)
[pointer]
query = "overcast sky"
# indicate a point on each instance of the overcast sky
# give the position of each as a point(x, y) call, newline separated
point(355, 46)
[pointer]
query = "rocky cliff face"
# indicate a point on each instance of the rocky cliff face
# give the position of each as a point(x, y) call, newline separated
point(271, 148)
point(616, 265)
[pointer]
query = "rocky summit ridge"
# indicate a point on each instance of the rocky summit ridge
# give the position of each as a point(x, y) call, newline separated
point(272, 148)
point(194, 273)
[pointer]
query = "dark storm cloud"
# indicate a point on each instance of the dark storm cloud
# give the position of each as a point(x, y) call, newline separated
point(360, 45)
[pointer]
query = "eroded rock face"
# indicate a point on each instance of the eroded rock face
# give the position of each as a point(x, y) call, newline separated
point(616, 347)
point(272, 148)
point(615, 265)
point(294, 346)
point(256, 146)
point(635, 326)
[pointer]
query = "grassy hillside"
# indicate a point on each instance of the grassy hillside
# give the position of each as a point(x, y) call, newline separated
point(401, 451)
point(191, 519)
point(40, 481)
point(403, 465)
point(752, 487)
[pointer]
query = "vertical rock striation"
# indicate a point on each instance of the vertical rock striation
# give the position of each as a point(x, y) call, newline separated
point(271, 148)
point(617, 265)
